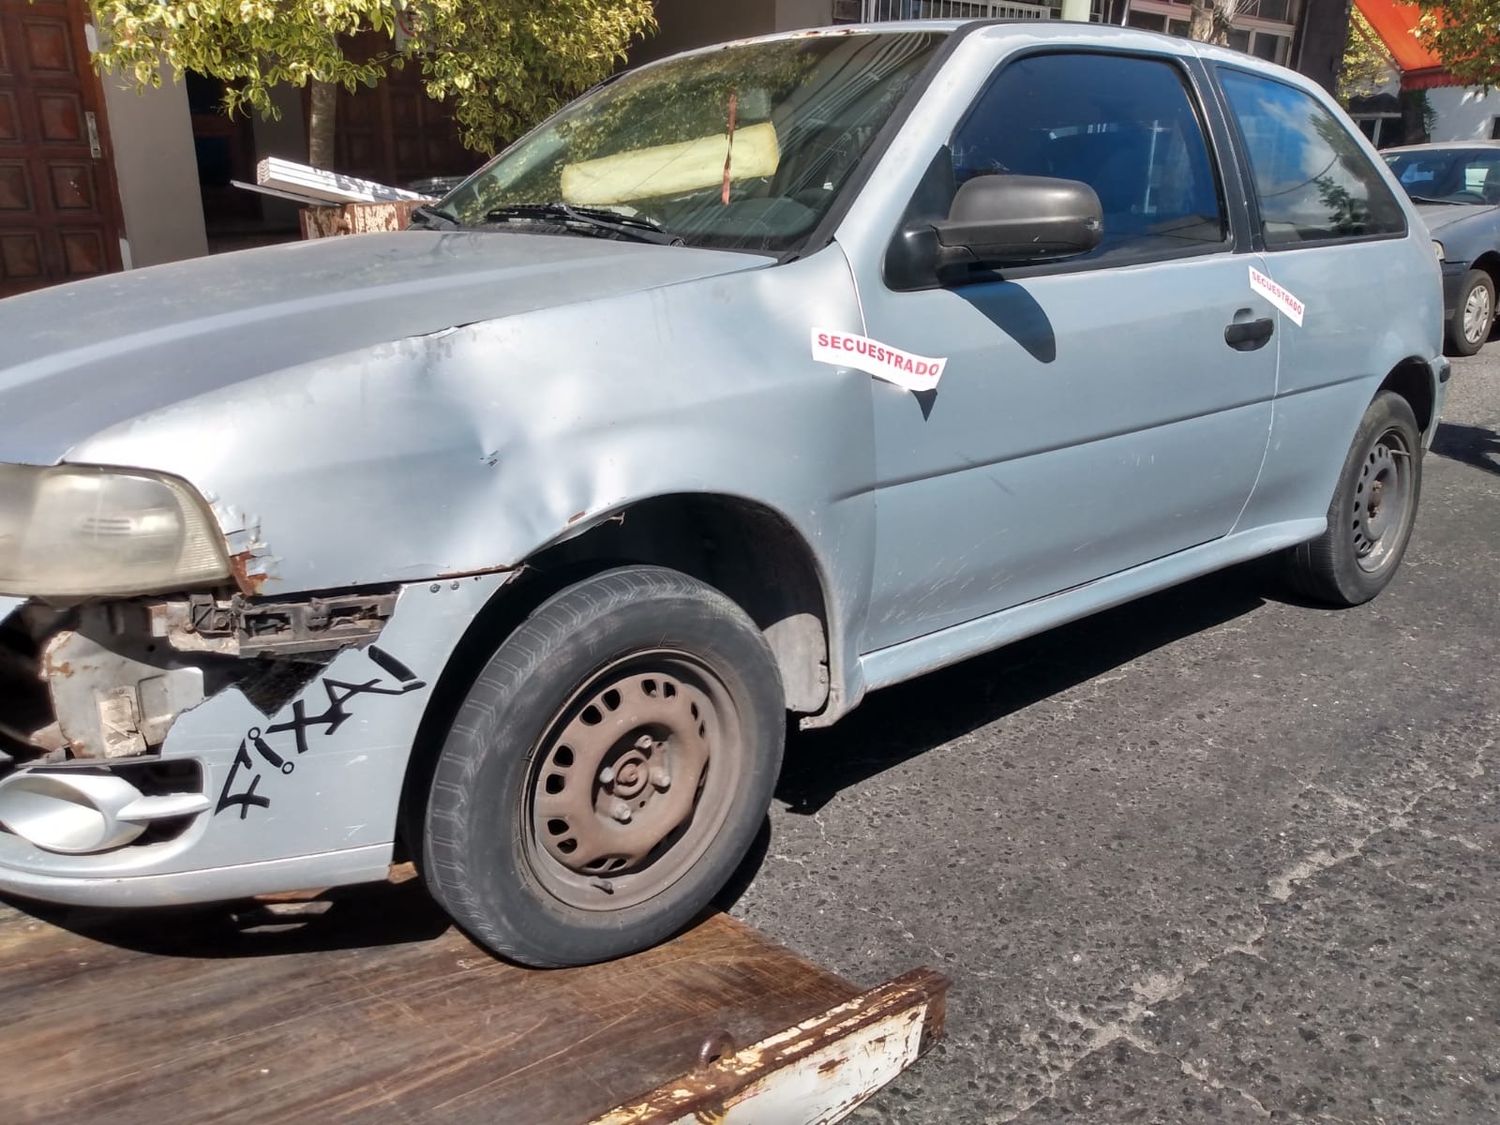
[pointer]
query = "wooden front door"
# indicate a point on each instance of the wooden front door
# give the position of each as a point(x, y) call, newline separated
point(57, 197)
point(395, 134)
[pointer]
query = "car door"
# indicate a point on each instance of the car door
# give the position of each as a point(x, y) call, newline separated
point(1091, 415)
point(1362, 279)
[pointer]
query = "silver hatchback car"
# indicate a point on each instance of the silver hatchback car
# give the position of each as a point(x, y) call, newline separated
point(755, 380)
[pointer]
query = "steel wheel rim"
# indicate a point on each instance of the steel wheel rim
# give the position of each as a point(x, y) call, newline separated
point(632, 781)
point(1478, 315)
point(1382, 501)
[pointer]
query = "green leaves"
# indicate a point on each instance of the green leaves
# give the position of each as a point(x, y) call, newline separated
point(504, 64)
point(1466, 36)
point(1366, 64)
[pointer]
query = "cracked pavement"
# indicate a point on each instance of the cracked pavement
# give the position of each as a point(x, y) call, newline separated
point(1212, 856)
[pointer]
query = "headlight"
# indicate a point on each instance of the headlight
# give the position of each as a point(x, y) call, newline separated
point(1437, 248)
point(83, 530)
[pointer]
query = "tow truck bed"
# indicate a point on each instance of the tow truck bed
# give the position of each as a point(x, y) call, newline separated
point(365, 1005)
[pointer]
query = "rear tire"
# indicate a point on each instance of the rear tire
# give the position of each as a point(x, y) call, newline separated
point(1372, 513)
point(607, 772)
point(1473, 318)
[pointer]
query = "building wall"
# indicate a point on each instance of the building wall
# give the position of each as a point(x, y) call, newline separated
point(1267, 38)
point(1464, 114)
point(157, 172)
point(285, 137)
point(685, 24)
point(792, 14)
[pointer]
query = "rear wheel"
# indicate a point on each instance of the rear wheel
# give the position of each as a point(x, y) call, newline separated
point(1473, 318)
point(1373, 510)
point(607, 772)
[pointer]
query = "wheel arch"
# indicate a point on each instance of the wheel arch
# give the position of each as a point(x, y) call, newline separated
point(746, 549)
point(749, 551)
point(1489, 262)
point(1414, 380)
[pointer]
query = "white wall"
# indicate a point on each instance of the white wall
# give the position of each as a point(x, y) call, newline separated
point(157, 170)
point(1463, 114)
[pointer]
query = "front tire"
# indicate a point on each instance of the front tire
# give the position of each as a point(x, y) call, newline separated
point(1372, 513)
point(607, 772)
point(1473, 317)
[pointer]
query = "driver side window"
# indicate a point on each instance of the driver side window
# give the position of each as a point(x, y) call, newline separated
point(1126, 126)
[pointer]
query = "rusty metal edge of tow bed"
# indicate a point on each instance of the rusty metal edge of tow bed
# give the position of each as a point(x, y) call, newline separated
point(816, 1071)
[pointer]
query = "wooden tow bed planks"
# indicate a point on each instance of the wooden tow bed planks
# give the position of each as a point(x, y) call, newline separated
point(363, 1004)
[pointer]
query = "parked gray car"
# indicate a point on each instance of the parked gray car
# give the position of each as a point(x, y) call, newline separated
point(758, 379)
point(1457, 191)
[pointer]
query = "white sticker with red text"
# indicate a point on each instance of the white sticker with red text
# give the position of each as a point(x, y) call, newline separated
point(1278, 296)
point(914, 372)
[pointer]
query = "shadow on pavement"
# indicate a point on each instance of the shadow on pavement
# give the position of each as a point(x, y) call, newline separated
point(374, 915)
point(1472, 445)
point(897, 724)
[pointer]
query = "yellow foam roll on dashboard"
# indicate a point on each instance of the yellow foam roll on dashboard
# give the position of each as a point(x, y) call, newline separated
point(662, 170)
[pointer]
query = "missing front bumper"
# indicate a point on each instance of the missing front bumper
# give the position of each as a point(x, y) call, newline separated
point(106, 681)
point(305, 793)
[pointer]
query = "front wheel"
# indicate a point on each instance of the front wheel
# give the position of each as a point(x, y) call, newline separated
point(1474, 316)
point(608, 770)
point(1373, 510)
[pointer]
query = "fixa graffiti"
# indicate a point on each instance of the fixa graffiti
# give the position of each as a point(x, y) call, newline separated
point(280, 756)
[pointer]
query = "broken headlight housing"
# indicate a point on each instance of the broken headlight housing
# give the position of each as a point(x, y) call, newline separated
point(89, 531)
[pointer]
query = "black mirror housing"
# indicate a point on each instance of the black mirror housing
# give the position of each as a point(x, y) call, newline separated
point(1006, 220)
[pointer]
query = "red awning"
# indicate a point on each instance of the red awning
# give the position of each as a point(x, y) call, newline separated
point(1396, 25)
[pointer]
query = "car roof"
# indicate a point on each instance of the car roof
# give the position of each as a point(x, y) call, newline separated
point(1446, 146)
point(1064, 31)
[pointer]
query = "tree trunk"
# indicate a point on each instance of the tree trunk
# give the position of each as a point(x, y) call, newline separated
point(355, 218)
point(1209, 21)
point(321, 119)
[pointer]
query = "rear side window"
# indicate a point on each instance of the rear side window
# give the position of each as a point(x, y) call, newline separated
point(1313, 180)
point(1125, 126)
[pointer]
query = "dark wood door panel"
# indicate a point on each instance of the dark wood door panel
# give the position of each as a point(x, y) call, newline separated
point(45, 46)
point(10, 117)
point(58, 211)
point(60, 118)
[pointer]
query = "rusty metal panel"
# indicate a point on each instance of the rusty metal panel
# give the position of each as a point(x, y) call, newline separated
point(816, 1072)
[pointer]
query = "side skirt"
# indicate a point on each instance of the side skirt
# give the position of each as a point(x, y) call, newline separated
point(909, 659)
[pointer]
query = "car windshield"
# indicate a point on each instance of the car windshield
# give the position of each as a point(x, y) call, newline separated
point(745, 147)
point(1449, 175)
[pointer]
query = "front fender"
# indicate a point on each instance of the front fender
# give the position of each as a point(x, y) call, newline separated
point(468, 450)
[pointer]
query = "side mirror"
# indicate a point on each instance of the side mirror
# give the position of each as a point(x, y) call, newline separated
point(1015, 220)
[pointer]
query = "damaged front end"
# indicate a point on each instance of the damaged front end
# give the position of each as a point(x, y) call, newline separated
point(171, 733)
point(101, 684)
point(202, 746)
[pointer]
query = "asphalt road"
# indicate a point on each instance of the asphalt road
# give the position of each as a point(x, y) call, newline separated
point(1212, 856)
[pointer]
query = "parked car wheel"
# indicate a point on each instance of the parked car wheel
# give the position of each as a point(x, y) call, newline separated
point(1474, 316)
point(1373, 510)
point(607, 772)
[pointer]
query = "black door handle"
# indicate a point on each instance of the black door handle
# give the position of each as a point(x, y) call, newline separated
point(1251, 334)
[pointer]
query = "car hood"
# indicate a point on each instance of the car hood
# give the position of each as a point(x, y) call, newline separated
point(77, 358)
point(1439, 216)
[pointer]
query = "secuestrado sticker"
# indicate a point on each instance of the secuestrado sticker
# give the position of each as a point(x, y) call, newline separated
point(1278, 296)
point(914, 372)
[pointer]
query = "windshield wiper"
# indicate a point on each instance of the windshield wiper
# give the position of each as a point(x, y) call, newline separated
point(434, 217)
point(588, 220)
